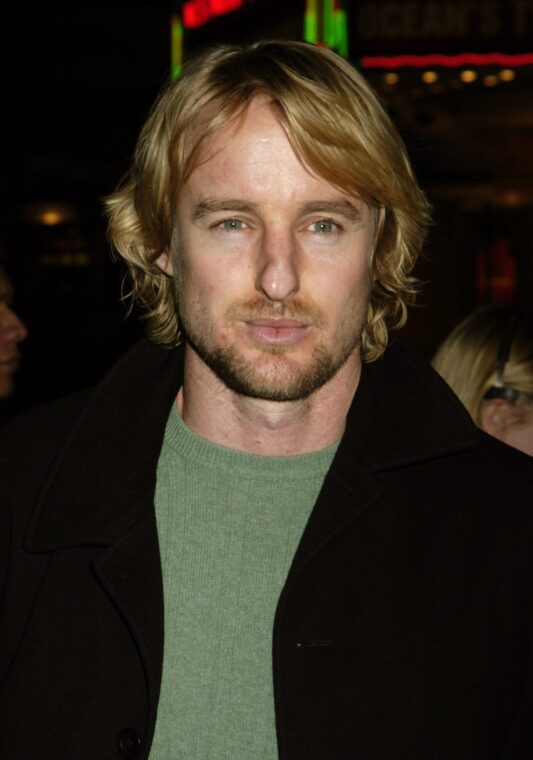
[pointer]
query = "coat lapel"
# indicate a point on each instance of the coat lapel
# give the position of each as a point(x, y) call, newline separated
point(104, 477)
point(130, 572)
point(402, 413)
point(348, 490)
point(100, 493)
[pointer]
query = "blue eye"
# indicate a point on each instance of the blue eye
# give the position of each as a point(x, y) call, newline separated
point(231, 224)
point(325, 226)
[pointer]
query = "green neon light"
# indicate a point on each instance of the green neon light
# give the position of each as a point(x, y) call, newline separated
point(341, 33)
point(311, 21)
point(310, 27)
point(176, 47)
point(328, 34)
point(334, 31)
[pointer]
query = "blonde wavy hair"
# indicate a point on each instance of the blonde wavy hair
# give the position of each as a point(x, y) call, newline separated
point(468, 357)
point(335, 125)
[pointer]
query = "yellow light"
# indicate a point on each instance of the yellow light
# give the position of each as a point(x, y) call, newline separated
point(468, 75)
point(510, 198)
point(429, 77)
point(507, 75)
point(391, 78)
point(50, 214)
point(51, 217)
point(490, 80)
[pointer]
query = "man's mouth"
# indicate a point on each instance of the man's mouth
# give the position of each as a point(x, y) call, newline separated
point(280, 331)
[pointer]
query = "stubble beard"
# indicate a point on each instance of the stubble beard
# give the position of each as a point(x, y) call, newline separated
point(289, 384)
point(268, 379)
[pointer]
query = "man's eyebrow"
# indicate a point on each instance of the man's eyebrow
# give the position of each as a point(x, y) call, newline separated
point(344, 208)
point(212, 205)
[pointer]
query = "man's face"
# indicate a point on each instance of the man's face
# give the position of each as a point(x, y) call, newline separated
point(12, 331)
point(271, 264)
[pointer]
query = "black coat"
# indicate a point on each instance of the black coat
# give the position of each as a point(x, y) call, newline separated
point(404, 630)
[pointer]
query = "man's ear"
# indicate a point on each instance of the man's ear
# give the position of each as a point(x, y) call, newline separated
point(498, 416)
point(164, 262)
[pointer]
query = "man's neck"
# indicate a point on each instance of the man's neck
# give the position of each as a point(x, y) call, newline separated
point(269, 428)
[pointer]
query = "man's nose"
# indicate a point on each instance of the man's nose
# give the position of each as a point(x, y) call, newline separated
point(278, 271)
point(12, 328)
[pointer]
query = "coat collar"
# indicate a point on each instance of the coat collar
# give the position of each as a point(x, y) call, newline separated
point(403, 413)
point(104, 477)
point(105, 472)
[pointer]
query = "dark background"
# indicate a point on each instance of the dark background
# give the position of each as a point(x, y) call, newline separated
point(79, 80)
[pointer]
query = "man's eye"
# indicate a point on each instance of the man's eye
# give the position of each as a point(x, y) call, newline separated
point(231, 225)
point(325, 226)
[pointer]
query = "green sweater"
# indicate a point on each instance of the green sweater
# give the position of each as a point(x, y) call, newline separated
point(229, 524)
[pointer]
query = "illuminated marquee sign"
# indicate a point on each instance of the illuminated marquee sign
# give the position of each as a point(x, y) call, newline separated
point(388, 28)
point(196, 13)
point(324, 22)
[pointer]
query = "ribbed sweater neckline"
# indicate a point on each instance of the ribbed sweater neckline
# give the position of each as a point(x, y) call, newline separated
point(190, 446)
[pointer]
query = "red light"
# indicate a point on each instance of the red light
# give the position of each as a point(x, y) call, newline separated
point(447, 61)
point(496, 272)
point(220, 7)
point(199, 12)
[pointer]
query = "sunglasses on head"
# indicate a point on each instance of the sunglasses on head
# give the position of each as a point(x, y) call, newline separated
point(499, 389)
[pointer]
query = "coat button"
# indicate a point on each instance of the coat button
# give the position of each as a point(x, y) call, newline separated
point(129, 743)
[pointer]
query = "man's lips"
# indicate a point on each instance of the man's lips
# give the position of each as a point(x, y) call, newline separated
point(276, 331)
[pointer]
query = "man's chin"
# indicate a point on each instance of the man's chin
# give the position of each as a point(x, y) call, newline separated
point(273, 376)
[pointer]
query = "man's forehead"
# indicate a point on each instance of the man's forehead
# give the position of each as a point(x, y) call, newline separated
point(251, 147)
point(244, 122)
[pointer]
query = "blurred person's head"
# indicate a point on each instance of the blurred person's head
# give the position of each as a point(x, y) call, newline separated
point(487, 360)
point(12, 331)
point(336, 127)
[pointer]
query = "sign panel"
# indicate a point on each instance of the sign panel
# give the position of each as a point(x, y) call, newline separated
point(388, 27)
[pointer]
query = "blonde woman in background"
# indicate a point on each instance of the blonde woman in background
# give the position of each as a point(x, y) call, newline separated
point(12, 332)
point(488, 362)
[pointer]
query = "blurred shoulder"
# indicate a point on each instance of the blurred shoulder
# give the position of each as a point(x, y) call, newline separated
point(37, 433)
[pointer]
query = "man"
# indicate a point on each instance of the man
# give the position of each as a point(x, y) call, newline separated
point(280, 539)
point(12, 332)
